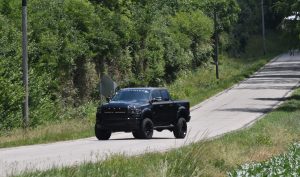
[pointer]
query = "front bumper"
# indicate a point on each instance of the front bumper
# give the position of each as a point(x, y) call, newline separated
point(119, 124)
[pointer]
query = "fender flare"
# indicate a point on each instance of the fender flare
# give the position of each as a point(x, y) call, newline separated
point(183, 112)
point(146, 113)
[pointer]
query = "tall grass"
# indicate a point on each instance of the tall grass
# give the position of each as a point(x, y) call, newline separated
point(77, 123)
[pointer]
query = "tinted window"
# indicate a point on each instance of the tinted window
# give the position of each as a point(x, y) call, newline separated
point(165, 95)
point(132, 95)
point(155, 94)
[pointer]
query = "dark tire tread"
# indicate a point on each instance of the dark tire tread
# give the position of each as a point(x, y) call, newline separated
point(180, 129)
point(102, 134)
point(145, 131)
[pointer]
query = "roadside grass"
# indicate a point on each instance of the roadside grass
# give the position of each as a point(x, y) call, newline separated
point(270, 136)
point(52, 132)
point(77, 123)
point(286, 164)
point(202, 84)
point(194, 86)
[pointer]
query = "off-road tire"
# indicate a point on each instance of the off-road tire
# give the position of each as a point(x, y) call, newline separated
point(102, 134)
point(136, 135)
point(180, 129)
point(145, 131)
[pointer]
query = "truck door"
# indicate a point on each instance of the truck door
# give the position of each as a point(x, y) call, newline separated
point(169, 108)
point(157, 107)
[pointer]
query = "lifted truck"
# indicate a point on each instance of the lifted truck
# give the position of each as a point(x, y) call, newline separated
point(140, 111)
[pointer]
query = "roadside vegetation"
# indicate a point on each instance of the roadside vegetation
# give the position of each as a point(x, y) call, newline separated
point(68, 118)
point(270, 136)
point(286, 164)
point(194, 86)
point(62, 110)
point(202, 84)
point(72, 43)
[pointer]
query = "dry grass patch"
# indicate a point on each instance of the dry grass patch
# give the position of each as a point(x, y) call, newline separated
point(65, 130)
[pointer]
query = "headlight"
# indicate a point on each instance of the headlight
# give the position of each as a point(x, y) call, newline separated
point(134, 110)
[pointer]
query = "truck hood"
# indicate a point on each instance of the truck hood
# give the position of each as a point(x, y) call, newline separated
point(117, 104)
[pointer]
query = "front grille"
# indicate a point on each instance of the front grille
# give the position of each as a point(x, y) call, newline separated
point(115, 113)
point(114, 116)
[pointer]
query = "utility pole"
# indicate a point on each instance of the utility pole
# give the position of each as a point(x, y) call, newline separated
point(25, 64)
point(216, 56)
point(263, 26)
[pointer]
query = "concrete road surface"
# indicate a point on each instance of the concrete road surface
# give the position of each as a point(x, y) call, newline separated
point(233, 109)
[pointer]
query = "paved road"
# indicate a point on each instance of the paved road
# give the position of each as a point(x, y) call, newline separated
point(231, 110)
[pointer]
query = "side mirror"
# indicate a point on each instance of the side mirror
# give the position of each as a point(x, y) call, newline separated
point(157, 99)
point(108, 99)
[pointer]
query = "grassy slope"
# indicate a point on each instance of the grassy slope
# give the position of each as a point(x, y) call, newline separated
point(269, 136)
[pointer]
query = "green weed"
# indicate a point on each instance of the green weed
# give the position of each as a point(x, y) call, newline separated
point(283, 165)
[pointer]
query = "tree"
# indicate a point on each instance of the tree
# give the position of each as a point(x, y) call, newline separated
point(291, 27)
point(11, 90)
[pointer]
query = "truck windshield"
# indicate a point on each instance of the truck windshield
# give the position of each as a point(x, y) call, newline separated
point(132, 95)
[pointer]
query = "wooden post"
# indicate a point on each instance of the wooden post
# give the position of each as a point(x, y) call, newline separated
point(216, 56)
point(25, 64)
point(263, 26)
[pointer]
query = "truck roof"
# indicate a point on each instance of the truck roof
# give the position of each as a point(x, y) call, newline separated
point(143, 88)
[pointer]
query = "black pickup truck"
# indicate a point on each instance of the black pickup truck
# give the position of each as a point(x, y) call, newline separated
point(140, 111)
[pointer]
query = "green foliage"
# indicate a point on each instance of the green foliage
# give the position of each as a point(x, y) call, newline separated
point(283, 165)
point(73, 42)
point(198, 28)
point(57, 32)
point(291, 27)
point(250, 23)
point(10, 75)
point(137, 43)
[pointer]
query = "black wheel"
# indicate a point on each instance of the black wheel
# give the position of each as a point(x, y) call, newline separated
point(180, 128)
point(102, 134)
point(136, 135)
point(145, 131)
